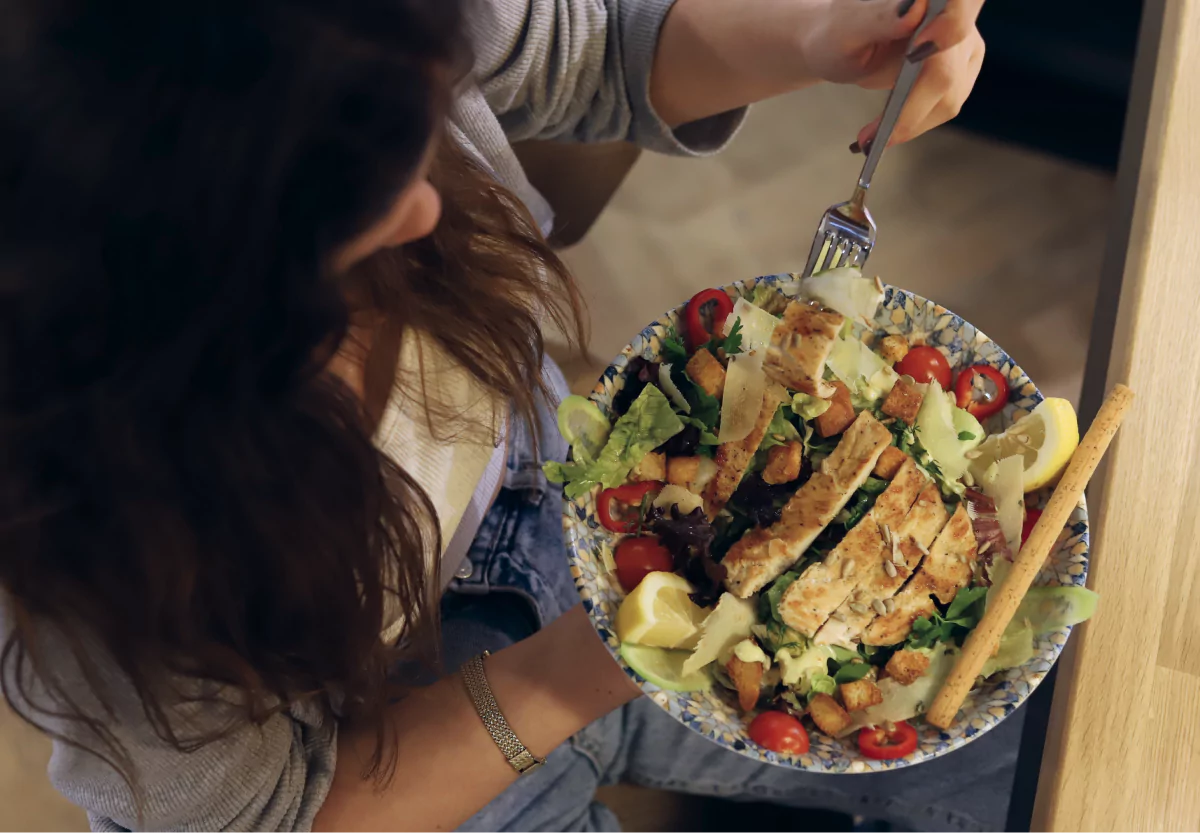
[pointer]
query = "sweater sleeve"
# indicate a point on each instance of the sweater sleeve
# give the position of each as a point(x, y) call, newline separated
point(580, 70)
point(269, 776)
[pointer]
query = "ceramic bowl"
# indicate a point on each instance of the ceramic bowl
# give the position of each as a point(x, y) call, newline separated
point(713, 714)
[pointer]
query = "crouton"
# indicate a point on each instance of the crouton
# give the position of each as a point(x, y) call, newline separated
point(652, 467)
point(830, 718)
point(906, 667)
point(860, 694)
point(706, 371)
point(747, 679)
point(683, 471)
point(840, 414)
point(889, 463)
point(893, 348)
point(783, 463)
point(904, 401)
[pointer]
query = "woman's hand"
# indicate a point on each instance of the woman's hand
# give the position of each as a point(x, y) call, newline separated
point(864, 42)
point(715, 55)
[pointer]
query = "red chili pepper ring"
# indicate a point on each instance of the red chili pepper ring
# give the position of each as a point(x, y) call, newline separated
point(964, 390)
point(630, 494)
point(697, 332)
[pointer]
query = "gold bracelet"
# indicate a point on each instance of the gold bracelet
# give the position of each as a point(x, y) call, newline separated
point(520, 758)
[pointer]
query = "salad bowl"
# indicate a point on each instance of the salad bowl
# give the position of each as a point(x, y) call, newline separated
point(713, 713)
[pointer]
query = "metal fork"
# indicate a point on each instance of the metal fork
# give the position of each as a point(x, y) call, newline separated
point(846, 232)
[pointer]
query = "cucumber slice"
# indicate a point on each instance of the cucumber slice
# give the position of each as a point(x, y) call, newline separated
point(664, 667)
point(583, 426)
point(1053, 608)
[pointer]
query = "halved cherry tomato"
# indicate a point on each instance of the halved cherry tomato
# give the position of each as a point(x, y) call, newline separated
point(697, 332)
point(884, 744)
point(779, 732)
point(925, 364)
point(630, 494)
point(636, 557)
point(964, 390)
point(1031, 519)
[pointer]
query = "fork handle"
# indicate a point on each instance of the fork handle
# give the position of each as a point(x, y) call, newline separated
point(909, 70)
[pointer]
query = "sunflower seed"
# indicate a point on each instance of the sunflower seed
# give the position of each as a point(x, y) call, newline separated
point(879, 608)
point(924, 549)
point(889, 605)
point(886, 533)
point(968, 478)
point(987, 545)
point(897, 556)
point(890, 569)
point(779, 438)
point(848, 569)
point(858, 608)
point(837, 616)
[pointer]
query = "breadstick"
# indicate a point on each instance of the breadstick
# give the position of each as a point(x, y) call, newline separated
point(983, 641)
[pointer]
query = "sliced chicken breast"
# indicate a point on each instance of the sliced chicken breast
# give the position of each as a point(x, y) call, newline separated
point(945, 571)
point(799, 347)
point(762, 555)
point(810, 600)
point(733, 459)
point(909, 543)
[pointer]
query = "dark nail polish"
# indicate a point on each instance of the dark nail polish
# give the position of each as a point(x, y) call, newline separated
point(904, 7)
point(867, 145)
point(855, 147)
point(922, 52)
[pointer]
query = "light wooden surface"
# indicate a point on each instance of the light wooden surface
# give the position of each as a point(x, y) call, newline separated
point(1123, 749)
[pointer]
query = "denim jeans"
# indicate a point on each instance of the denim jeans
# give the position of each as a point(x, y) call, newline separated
point(516, 580)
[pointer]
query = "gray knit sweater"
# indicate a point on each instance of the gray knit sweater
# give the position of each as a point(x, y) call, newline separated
point(550, 69)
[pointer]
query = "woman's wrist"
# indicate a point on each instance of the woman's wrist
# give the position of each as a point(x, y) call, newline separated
point(563, 669)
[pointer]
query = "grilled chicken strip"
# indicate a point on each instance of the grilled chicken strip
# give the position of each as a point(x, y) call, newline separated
point(809, 601)
point(909, 543)
point(734, 458)
point(943, 573)
point(762, 555)
point(799, 347)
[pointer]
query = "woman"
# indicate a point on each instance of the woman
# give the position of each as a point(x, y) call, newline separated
point(272, 374)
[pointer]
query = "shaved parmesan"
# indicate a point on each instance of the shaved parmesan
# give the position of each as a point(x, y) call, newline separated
point(725, 627)
point(757, 325)
point(847, 291)
point(671, 389)
point(745, 384)
point(672, 495)
point(904, 702)
point(1004, 482)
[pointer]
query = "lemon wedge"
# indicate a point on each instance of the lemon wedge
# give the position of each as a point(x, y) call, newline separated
point(1045, 439)
point(659, 613)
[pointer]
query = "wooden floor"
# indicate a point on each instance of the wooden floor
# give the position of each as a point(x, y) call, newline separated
point(1009, 239)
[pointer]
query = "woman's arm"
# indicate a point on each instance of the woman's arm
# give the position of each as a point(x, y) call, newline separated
point(448, 767)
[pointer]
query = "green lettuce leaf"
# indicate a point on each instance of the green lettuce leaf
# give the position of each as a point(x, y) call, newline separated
point(809, 407)
point(649, 422)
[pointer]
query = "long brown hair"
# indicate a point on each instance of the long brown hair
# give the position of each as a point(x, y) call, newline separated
point(186, 499)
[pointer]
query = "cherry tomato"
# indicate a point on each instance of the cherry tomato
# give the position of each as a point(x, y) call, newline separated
point(779, 732)
point(993, 403)
point(636, 557)
point(1031, 519)
point(925, 364)
point(630, 494)
point(884, 744)
point(697, 332)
